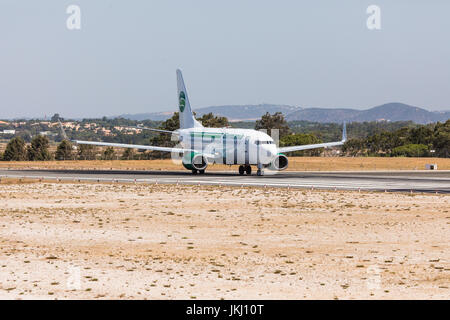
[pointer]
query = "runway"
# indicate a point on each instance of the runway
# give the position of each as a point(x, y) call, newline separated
point(391, 181)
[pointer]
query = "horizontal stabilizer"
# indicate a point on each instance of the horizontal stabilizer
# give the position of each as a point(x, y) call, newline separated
point(154, 129)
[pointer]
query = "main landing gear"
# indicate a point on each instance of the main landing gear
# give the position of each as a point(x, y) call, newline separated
point(260, 171)
point(245, 169)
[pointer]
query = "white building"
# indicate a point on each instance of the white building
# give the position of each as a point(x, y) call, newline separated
point(47, 133)
point(9, 132)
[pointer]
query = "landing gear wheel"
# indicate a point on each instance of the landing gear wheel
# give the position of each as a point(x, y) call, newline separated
point(241, 170)
point(248, 170)
point(260, 171)
point(194, 171)
point(202, 171)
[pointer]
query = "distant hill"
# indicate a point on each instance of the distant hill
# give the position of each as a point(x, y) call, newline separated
point(233, 113)
point(155, 116)
point(246, 112)
point(387, 112)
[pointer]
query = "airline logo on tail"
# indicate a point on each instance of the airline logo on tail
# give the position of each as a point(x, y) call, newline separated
point(182, 101)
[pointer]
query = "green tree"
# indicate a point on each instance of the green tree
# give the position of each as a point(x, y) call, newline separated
point(410, 150)
point(165, 139)
point(301, 139)
point(64, 151)
point(171, 124)
point(420, 135)
point(15, 150)
point(128, 154)
point(441, 139)
point(109, 154)
point(211, 121)
point(275, 121)
point(355, 147)
point(38, 150)
point(56, 117)
point(86, 152)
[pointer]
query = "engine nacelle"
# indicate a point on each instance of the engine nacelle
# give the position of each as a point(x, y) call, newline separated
point(194, 161)
point(279, 163)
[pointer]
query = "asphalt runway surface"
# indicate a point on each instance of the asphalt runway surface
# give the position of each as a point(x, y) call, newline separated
point(390, 181)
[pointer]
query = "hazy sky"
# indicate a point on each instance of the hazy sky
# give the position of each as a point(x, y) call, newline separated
point(302, 53)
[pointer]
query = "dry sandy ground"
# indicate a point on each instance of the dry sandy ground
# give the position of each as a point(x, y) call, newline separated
point(295, 164)
point(88, 241)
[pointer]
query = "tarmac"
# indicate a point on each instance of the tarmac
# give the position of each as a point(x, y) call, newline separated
point(389, 181)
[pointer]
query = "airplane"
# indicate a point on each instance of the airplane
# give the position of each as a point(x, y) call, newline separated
point(199, 146)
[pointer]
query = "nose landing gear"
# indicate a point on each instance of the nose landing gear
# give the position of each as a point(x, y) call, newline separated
point(260, 171)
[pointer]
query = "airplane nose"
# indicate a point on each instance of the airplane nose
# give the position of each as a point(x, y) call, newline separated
point(269, 152)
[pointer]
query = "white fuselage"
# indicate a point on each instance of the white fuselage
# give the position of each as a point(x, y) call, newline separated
point(230, 146)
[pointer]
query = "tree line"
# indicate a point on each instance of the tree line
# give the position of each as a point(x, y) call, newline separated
point(420, 141)
point(366, 139)
point(38, 150)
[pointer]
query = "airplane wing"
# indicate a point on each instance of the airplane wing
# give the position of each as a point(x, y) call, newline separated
point(310, 146)
point(143, 147)
point(135, 146)
point(319, 145)
point(131, 146)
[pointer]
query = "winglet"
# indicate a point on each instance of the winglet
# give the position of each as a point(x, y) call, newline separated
point(344, 132)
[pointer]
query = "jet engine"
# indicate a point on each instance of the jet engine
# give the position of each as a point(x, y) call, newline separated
point(195, 161)
point(279, 163)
